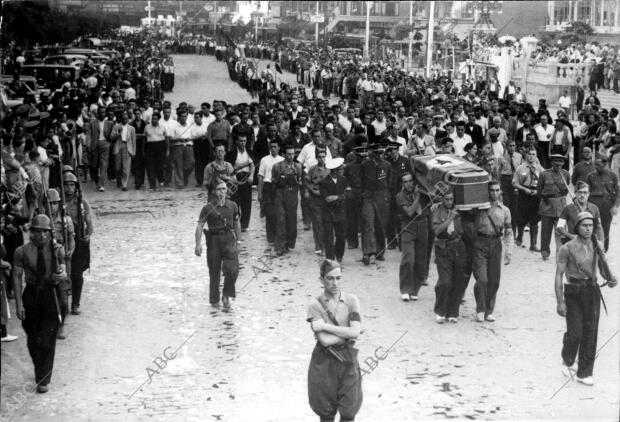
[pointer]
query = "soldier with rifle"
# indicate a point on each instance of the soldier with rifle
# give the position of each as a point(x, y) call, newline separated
point(79, 211)
point(579, 296)
point(41, 263)
point(63, 234)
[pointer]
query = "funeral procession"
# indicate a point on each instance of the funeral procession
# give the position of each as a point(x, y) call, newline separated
point(334, 211)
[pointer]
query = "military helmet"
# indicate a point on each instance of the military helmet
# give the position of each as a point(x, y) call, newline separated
point(68, 177)
point(41, 222)
point(67, 168)
point(53, 196)
point(585, 215)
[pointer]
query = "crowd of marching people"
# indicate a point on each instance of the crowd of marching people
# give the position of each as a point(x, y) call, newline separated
point(343, 155)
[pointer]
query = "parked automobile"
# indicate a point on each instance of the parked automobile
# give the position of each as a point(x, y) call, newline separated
point(51, 76)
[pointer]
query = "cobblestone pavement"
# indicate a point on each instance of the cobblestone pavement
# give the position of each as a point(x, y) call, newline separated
point(145, 297)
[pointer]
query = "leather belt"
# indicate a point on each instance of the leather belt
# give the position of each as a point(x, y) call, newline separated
point(218, 232)
point(489, 236)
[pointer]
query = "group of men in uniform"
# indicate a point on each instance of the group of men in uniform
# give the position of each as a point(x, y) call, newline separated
point(51, 265)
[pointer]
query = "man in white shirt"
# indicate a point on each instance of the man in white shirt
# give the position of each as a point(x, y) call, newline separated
point(307, 156)
point(481, 120)
point(460, 139)
point(544, 131)
point(267, 189)
point(169, 123)
point(182, 149)
point(379, 124)
point(565, 101)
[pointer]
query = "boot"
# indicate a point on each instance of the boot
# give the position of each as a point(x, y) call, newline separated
point(534, 238)
point(62, 334)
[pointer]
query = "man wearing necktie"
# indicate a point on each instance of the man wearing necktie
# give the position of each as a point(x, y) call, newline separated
point(525, 180)
point(41, 263)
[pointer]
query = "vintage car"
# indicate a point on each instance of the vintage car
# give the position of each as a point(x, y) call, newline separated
point(66, 60)
point(436, 173)
point(51, 76)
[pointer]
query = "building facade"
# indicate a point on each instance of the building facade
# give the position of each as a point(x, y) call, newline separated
point(602, 15)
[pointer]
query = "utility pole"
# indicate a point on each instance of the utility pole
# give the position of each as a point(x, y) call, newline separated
point(431, 29)
point(214, 18)
point(366, 44)
point(410, 54)
point(316, 26)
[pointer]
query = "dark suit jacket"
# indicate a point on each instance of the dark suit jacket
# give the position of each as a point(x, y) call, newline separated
point(290, 140)
point(476, 134)
point(333, 211)
point(405, 135)
point(92, 131)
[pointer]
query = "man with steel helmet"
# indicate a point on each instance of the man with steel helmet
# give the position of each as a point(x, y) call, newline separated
point(62, 232)
point(78, 210)
point(579, 298)
point(41, 264)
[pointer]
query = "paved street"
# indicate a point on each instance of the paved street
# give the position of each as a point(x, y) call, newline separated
point(146, 296)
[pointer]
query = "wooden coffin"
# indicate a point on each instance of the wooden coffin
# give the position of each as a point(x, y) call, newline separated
point(435, 173)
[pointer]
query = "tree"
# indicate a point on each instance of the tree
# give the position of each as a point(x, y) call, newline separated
point(577, 32)
point(28, 23)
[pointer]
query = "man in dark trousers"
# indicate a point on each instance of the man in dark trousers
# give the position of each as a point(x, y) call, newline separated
point(354, 196)
point(552, 189)
point(604, 193)
point(78, 209)
point(400, 165)
point(222, 219)
point(42, 265)
point(579, 298)
point(414, 241)
point(287, 178)
point(334, 376)
point(491, 227)
point(451, 259)
point(376, 173)
point(242, 161)
point(333, 189)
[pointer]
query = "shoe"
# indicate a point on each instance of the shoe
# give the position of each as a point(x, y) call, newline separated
point(480, 317)
point(405, 297)
point(439, 319)
point(568, 371)
point(225, 303)
point(244, 229)
point(42, 389)
point(545, 257)
point(339, 259)
point(352, 246)
point(124, 189)
point(306, 227)
point(453, 320)
point(319, 252)
point(198, 185)
point(413, 297)
point(75, 310)
point(392, 246)
point(372, 259)
point(586, 380)
point(518, 242)
point(365, 260)
point(101, 189)
point(61, 335)
point(215, 304)
point(380, 257)
point(425, 282)
point(534, 249)
point(8, 338)
point(490, 318)
point(280, 252)
point(153, 190)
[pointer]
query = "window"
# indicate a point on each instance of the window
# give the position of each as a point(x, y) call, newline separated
point(391, 8)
